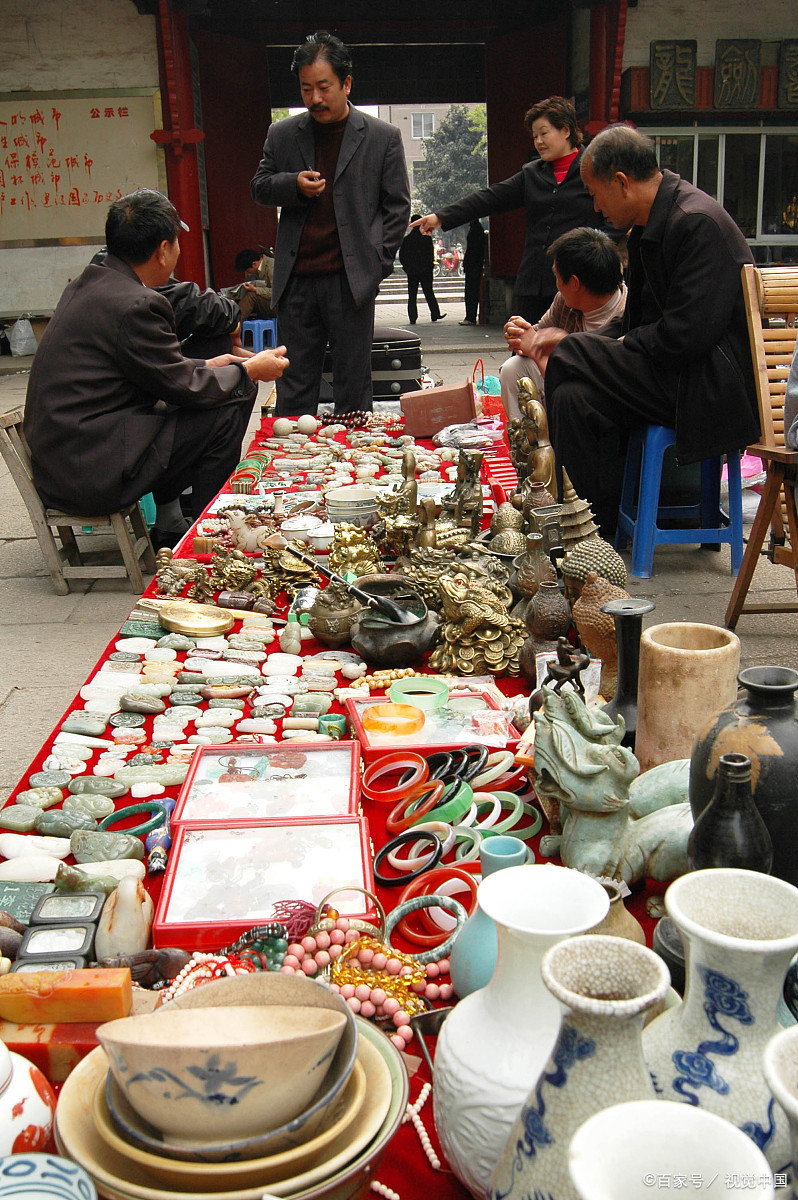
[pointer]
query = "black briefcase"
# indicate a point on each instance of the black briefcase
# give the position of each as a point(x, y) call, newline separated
point(395, 364)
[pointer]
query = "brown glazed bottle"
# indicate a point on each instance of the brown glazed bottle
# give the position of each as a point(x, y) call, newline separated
point(730, 832)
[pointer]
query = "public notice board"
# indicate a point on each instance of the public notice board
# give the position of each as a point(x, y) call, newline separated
point(65, 157)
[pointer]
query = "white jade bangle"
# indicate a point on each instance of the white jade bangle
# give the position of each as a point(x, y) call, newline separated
point(444, 831)
point(414, 860)
point(474, 837)
point(439, 916)
point(491, 798)
point(495, 766)
point(470, 817)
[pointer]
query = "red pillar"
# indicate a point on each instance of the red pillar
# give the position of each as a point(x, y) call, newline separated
point(179, 137)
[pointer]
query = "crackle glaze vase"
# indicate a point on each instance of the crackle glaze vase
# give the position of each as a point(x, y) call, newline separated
point(606, 986)
point(494, 1044)
point(740, 930)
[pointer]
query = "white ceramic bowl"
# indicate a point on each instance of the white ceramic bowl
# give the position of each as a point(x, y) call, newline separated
point(221, 1072)
point(321, 538)
point(300, 527)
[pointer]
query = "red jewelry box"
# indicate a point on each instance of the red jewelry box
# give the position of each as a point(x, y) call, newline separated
point(222, 880)
point(374, 747)
point(292, 780)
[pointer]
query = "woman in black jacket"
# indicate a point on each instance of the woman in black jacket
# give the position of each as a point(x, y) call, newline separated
point(550, 188)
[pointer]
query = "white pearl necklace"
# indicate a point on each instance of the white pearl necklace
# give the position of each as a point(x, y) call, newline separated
point(412, 1113)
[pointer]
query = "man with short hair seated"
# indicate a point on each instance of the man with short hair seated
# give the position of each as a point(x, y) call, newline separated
point(590, 293)
point(254, 295)
point(114, 409)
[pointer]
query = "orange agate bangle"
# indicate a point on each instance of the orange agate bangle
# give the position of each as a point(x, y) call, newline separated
point(398, 719)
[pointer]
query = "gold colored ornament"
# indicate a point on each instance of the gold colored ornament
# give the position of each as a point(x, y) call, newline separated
point(196, 620)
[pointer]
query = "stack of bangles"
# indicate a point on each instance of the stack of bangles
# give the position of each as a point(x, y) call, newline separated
point(442, 818)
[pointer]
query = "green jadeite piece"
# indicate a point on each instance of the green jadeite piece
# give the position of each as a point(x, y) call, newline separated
point(217, 703)
point(90, 805)
point(97, 785)
point(177, 641)
point(41, 797)
point(19, 899)
point(104, 847)
point(149, 629)
point(72, 879)
point(169, 774)
point(19, 817)
point(82, 722)
point(58, 823)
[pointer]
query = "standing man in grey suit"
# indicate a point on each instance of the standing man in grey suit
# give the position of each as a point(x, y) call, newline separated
point(340, 181)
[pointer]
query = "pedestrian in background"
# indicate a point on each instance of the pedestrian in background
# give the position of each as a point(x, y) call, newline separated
point(473, 263)
point(417, 256)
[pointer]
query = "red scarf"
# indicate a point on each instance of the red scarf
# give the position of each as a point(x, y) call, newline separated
point(560, 165)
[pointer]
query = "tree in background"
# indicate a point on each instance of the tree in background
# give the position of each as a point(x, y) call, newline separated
point(455, 159)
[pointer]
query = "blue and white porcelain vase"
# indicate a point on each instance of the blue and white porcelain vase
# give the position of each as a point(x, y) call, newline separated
point(740, 930)
point(606, 986)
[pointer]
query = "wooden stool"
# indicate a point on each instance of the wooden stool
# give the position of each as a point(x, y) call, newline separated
point(64, 562)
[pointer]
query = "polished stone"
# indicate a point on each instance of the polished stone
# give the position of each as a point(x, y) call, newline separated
point(315, 704)
point(41, 797)
point(104, 847)
point(136, 645)
point(127, 720)
point(169, 774)
point(94, 786)
point(177, 641)
point(124, 656)
point(95, 806)
point(59, 823)
point(50, 779)
point(222, 702)
point(83, 722)
point(19, 817)
point(136, 703)
point(186, 698)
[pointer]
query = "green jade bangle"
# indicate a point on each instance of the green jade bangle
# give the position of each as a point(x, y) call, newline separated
point(453, 811)
point(473, 838)
point(147, 806)
point(434, 900)
point(518, 808)
point(423, 691)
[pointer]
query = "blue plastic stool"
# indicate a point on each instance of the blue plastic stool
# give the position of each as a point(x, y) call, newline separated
point(639, 521)
point(147, 506)
point(264, 332)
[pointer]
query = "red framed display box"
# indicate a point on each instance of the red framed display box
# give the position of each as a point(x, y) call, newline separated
point(222, 880)
point(290, 781)
point(437, 734)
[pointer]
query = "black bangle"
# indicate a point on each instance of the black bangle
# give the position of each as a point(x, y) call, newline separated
point(439, 765)
point(401, 839)
point(476, 756)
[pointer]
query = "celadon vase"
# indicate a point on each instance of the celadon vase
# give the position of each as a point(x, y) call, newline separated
point(623, 1153)
point(473, 957)
point(740, 931)
point(606, 986)
point(496, 1041)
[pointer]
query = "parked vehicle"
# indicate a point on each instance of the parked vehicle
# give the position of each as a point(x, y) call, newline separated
point(448, 262)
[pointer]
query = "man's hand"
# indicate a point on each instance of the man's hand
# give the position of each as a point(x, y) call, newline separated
point(513, 330)
point(310, 184)
point(426, 224)
point(268, 364)
point(262, 367)
point(249, 286)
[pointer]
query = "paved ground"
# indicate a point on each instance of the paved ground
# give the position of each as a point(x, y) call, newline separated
point(50, 643)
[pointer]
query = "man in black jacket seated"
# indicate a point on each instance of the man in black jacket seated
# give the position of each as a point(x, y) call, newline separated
point(680, 355)
point(114, 409)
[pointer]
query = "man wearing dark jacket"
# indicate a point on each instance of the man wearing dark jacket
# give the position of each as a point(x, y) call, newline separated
point(680, 355)
point(114, 410)
point(340, 180)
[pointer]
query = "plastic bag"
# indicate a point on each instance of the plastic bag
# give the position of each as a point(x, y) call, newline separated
point(472, 436)
point(21, 338)
point(486, 385)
